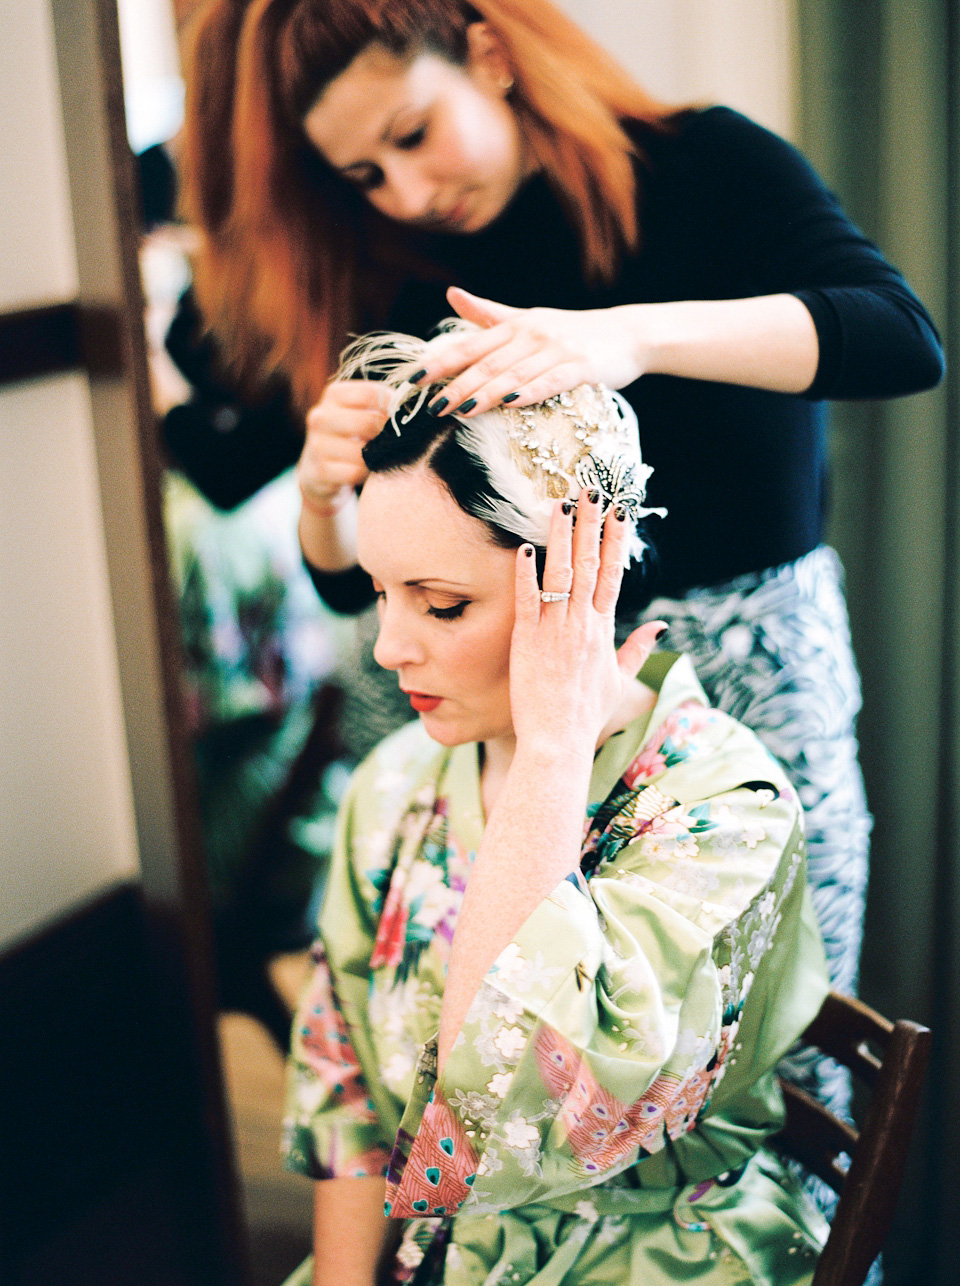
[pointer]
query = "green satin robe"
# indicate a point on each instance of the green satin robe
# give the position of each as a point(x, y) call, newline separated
point(602, 1115)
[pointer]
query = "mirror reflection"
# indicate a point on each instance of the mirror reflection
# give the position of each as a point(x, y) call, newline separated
point(284, 693)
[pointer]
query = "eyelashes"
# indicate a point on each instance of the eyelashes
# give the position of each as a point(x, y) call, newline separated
point(451, 613)
point(413, 139)
point(448, 613)
point(374, 177)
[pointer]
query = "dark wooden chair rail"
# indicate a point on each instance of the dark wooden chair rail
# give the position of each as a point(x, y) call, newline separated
point(865, 1168)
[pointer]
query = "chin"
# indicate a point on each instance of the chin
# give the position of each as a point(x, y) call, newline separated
point(457, 733)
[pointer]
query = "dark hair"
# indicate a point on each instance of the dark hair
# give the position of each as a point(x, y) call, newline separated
point(433, 441)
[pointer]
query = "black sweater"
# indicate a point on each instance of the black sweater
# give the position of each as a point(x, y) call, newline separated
point(728, 210)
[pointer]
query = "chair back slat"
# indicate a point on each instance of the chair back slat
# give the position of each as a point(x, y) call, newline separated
point(816, 1138)
point(845, 1029)
point(869, 1193)
point(891, 1059)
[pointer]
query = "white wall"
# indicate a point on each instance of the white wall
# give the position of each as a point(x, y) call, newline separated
point(37, 261)
point(66, 810)
point(738, 52)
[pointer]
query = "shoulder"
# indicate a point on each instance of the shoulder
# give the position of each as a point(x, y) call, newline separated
point(717, 148)
point(693, 749)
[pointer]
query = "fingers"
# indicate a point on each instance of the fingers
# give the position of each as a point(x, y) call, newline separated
point(445, 357)
point(586, 549)
point(527, 589)
point(517, 371)
point(558, 565)
point(633, 654)
point(613, 557)
point(485, 312)
point(519, 356)
point(351, 408)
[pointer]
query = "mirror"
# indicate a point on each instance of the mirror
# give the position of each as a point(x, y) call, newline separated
point(257, 650)
point(266, 667)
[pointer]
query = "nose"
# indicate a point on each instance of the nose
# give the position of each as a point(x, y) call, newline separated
point(408, 193)
point(397, 645)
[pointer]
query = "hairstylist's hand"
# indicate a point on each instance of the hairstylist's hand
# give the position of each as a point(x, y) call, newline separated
point(526, 355)
point(567, 679)
point(349, 414)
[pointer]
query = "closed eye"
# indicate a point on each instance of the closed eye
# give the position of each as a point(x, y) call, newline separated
point(409, 141)
point(448, 613)
point(365, 180)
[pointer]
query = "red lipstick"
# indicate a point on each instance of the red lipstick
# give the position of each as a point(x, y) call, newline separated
point(422, 703)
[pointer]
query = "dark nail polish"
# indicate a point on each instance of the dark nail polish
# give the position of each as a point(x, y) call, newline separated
point(417, 376)
point(466, 406)
point(593, 496)
point(660, 632)
point(528, 550)
point(438, 407)
point(619, 513)
point(568, 507)
point(511, 397)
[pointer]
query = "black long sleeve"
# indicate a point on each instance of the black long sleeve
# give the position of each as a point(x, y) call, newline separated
point(727, 210)
point(227, 446)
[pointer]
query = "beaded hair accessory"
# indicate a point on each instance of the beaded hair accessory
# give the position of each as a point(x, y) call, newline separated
point(531, 455)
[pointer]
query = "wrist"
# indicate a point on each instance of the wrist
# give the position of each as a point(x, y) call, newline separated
point(652, 330)
point(553, 758)
point(326, 504)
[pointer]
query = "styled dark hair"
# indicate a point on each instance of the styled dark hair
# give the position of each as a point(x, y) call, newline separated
point(433, 442)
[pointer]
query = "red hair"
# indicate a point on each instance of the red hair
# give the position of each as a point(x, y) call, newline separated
point(293, 258)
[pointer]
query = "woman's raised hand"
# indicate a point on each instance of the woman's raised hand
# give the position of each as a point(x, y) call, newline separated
point(349, 414)
point(525, 355)
point(567, 679)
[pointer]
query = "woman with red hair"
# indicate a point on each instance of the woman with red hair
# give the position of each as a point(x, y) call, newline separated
point(354, 165)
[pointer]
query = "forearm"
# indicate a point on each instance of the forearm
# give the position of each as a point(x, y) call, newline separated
point(329, 540)
point(531, 842)
point(768, 342)
point(351, 1237)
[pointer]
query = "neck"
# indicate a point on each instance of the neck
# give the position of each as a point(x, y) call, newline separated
point(496, 755)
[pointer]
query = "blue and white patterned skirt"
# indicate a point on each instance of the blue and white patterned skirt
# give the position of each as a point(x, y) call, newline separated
point(773, 649)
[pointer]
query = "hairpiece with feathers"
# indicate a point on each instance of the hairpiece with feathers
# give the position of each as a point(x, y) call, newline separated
point(531, 456)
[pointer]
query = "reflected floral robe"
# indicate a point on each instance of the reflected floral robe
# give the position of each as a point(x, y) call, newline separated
point(602, 1115)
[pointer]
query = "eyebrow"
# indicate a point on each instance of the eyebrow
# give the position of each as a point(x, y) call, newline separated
point(434, 582)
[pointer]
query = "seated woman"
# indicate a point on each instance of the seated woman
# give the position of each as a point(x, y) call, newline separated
point(567, 934)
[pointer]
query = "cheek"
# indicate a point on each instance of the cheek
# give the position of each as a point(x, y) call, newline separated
point(481, 139)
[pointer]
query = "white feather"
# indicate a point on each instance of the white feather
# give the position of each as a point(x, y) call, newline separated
point(521, 504)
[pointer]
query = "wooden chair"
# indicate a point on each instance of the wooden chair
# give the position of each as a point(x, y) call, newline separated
point(891, 1059)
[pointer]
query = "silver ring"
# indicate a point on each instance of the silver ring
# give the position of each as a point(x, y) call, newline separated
point(550, 596)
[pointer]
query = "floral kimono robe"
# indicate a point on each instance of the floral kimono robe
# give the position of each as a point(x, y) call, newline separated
point(602, 1115)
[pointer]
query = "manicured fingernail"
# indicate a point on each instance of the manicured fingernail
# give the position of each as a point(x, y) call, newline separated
point(438, 407)
point(528, 551)
point(660, 632)
point(466, 406)
point(417, 376)
point(568, 507)
point(511, 397)
point(593, 496)
point(619, 513)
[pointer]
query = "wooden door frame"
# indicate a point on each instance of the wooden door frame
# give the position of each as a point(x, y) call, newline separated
point(101, 335)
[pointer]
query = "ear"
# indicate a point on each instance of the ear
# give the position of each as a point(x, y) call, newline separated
point(487, 60)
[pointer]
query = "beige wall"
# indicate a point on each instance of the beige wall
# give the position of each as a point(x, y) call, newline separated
point(66, 812)
point(738, 52)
